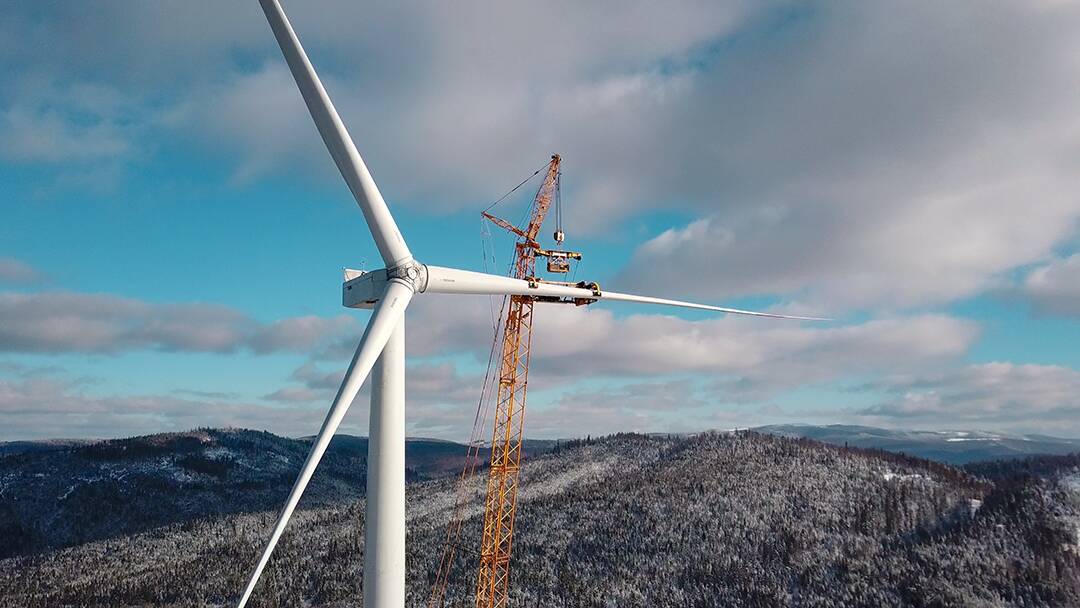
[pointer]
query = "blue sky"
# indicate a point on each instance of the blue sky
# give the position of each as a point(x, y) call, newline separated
point(174, 231)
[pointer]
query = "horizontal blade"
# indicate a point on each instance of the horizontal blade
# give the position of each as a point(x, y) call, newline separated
point(452, 280)
point(388, 238)
point(387, 313)
point(625, 297)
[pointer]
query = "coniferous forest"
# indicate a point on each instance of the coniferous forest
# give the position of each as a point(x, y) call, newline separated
point(738, 519)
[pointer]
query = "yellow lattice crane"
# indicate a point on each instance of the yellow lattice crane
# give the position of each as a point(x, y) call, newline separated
point(500, 503)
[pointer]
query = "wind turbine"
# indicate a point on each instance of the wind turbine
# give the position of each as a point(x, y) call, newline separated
point(381, 352)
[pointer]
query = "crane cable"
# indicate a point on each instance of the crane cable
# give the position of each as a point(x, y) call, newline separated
point(558, 204)
point(515, 188)
point(483, 405)
point(472, 460)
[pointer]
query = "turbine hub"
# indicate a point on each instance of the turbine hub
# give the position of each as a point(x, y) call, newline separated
point(412, 273)
point(363, 289)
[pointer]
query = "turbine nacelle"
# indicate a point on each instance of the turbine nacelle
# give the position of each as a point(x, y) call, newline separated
point(362, 289)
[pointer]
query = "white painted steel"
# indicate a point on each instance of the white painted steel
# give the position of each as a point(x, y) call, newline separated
point(362, 291)
point(384, 322)
point(384, 511)
point(452, 280)
point(388, 238)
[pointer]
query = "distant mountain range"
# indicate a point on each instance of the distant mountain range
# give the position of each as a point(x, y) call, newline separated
point(713, 519)
point(57, 493)
point(953, 447)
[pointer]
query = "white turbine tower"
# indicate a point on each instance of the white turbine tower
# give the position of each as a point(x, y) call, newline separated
point(381, 351)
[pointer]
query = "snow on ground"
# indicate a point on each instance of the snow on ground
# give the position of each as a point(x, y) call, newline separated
point(889, 476)
point(219, 453)
point(545, 477)
point(1072, 482)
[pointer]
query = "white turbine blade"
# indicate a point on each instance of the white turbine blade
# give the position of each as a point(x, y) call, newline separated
point(625, 297)
point(452, 280)
point(383, 321)
point(388, 238)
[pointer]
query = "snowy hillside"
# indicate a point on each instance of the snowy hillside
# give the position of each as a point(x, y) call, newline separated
point(59, 493)
point(712, 520)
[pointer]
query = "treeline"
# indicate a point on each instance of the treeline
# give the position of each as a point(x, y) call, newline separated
point(710, 520)
point(87, 492)
point(1034, 466)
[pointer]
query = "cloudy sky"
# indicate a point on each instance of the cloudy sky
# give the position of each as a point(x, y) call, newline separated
point(173, 232)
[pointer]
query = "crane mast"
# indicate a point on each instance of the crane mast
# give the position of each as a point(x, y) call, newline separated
point(500, 503)
point(500, 499)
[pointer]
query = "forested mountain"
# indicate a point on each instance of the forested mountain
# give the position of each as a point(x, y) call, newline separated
point(741, 519)
point(76, 493)
point(59, 493)
point(1065, 467)
point(954, 447)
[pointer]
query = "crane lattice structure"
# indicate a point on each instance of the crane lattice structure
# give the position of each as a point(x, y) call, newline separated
point(500, 505)
point(503, 478)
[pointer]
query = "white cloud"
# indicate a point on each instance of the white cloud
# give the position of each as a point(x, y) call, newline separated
point(296, 394)
point(739, 360)
point(64, 322)
point(46, 121)
point(826, 156)
point(414, 82)
point(73, 322)
point(750, 359)
point(29, 136)
point(441, 400)
point(302, 334)
point(766, 355)
point(844, 156)
point(426, 383)
point(1054, 288)
point(258, 121)
point(46, 407)
point(645, 407)
point(995, 396)
point(908, 252)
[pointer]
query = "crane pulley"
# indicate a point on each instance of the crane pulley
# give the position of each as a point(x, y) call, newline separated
point(558, 260)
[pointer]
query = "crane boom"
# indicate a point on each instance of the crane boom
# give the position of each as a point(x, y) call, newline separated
point(500, 503)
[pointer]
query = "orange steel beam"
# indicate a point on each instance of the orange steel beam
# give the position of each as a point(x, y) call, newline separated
point(544, 196)
point(500, 503)
point(505, 225)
